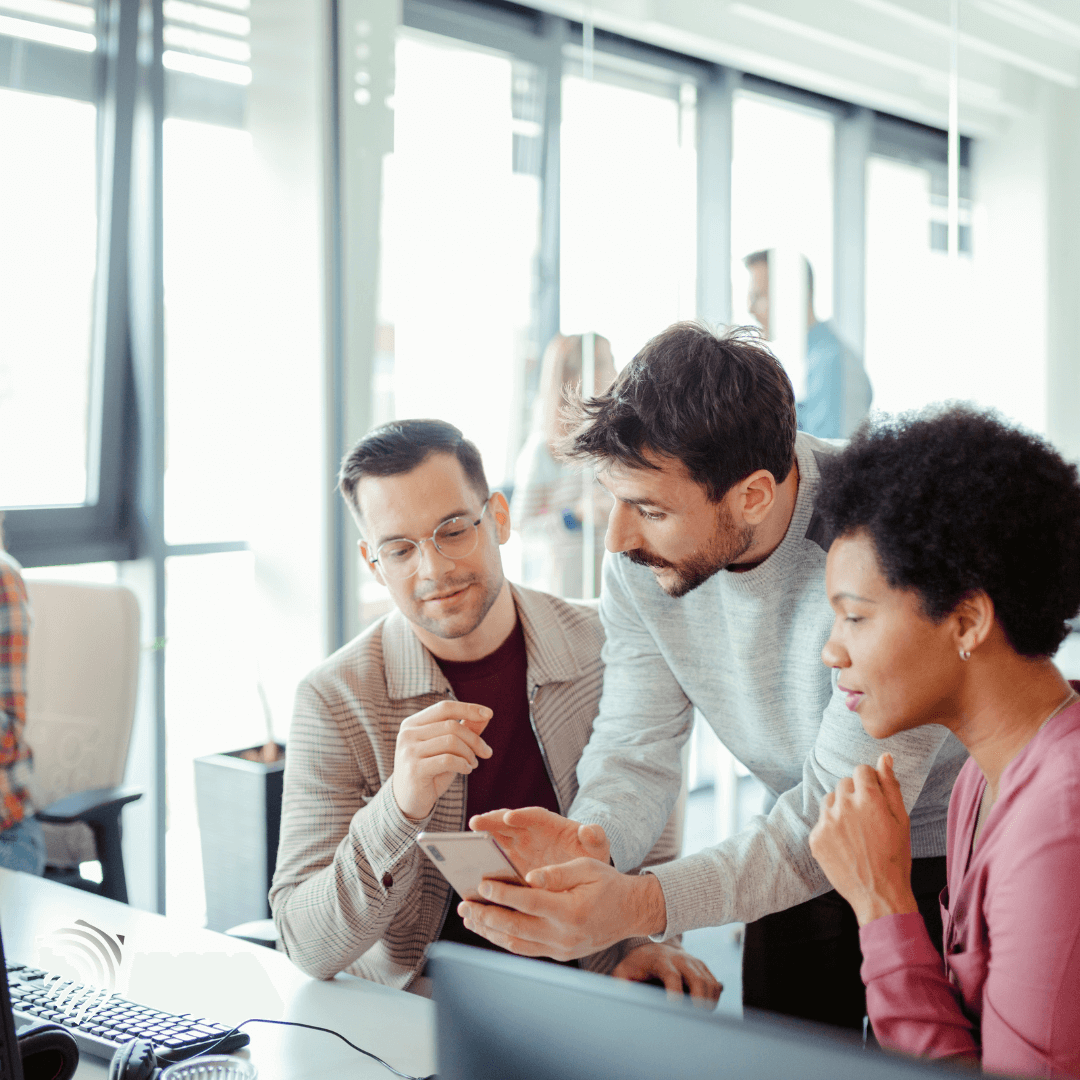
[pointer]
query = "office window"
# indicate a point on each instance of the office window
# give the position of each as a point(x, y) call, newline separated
point(208, 356)
point(905, 274)
point(211, 697)
point(782, 199)
point(209, 271)
point(460, 236)
point(48, 221)
point(922, 308)
point(212, 702)
point(628, 203)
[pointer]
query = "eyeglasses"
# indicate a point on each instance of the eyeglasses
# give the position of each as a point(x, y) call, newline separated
point(455, 538)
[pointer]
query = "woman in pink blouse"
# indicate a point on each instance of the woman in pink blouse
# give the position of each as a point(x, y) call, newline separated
point(955, 567)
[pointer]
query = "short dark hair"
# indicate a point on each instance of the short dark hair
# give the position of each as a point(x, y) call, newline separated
point(756, 258)
point(401, 445)
point(721, 404)
point(956, 501)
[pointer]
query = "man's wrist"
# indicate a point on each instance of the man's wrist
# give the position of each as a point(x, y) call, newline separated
point(650, 907)
point(401, 809)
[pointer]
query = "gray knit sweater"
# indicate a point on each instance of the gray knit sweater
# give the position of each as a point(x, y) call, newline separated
point(745, 650)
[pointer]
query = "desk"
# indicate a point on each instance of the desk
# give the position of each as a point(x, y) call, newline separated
point(183, 969)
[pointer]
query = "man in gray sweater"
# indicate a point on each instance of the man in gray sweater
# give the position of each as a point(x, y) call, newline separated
point(714, 599)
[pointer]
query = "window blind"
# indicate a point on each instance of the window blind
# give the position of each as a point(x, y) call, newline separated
point(69, 24)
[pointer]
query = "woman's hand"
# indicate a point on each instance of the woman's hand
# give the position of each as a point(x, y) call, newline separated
point(863, 843)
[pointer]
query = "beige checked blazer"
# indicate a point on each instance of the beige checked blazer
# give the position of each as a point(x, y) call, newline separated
point(352, 892)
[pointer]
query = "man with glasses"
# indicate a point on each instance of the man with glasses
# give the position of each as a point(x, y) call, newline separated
point(473, 694)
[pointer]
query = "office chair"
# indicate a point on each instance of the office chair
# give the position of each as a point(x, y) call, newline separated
point(82, 676)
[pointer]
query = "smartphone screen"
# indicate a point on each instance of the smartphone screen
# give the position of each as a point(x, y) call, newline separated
point(466, 858)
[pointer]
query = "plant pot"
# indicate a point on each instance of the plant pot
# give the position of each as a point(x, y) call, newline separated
point(238, 798)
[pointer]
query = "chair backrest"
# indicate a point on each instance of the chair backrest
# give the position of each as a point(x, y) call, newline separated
point(81, 682)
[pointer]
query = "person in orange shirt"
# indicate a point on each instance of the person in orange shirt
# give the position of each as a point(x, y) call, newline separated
point(22, 845)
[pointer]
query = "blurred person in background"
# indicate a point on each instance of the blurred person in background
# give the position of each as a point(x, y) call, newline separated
point(548, 498)
point(22, 845)
point(838, 392)
point(955, 566)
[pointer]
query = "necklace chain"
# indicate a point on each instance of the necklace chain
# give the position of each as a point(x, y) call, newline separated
point(1069, 699)
point(988, 799)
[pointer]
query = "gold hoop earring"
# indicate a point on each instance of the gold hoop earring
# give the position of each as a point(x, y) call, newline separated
point(965, 654)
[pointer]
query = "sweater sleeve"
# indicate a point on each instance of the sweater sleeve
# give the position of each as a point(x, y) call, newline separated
point(346, 858)
point(630, 772)
point(909, 999)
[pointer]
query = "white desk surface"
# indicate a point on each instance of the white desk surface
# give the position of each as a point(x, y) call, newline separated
point(187, 970)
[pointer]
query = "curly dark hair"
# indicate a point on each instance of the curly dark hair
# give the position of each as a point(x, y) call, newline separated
point(722, 404)
point(957, 501)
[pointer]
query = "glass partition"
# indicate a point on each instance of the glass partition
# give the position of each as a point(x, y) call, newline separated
point(460, 240)
point(782, 202)
point(920, 304)
point(628, 206)
point(628, 249)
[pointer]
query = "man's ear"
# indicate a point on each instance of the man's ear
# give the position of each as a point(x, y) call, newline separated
point(755, 496)
point(499, 509)
point(366, 554)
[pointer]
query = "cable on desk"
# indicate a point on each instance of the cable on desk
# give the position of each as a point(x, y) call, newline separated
point(313, 1027)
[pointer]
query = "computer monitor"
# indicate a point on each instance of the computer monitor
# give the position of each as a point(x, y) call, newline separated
point(501, 1017)
point(10, 1062)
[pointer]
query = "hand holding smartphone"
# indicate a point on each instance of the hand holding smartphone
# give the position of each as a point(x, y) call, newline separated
point(466, 858)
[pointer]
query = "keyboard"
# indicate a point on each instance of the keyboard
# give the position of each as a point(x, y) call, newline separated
point(101, 1022)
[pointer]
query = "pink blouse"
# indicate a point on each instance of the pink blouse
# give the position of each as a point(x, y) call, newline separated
point(1008, 992)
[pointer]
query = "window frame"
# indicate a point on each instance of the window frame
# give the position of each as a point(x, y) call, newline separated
point(111, 526)
point(99, 529)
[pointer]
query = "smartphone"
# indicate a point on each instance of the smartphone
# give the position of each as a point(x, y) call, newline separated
point(466, 858)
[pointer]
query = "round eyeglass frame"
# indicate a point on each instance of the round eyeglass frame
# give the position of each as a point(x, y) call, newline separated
point(419, 545)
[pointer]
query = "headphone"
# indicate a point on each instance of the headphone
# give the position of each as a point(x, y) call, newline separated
point(134, 1060)
point(48, 1052)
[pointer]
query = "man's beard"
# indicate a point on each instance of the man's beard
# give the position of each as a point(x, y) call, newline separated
point(491, 588)
point(729, 543)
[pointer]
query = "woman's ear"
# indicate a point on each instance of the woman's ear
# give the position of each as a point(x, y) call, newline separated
point(974, 617)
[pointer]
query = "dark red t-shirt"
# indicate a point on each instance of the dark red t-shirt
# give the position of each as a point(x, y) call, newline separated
point(515, 774)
